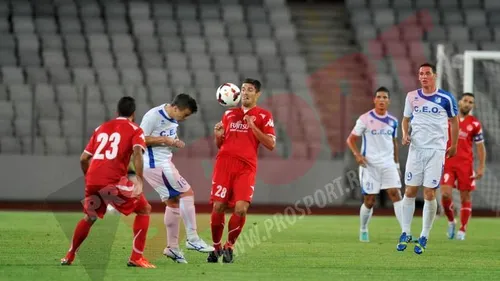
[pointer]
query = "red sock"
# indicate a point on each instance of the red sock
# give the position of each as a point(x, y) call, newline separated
point(81, 231)
point(448, 208)
point(141, 225)
point(217, 225)
point(465, 213)
point(235, 227)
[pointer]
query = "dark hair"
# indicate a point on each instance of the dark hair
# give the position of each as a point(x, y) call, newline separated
point(466, 95)
point(185, 101)
point(382, 89)
point(256, 83)
point(126, 106)
point(433, 67)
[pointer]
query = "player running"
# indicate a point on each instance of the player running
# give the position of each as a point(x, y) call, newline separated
point(379, 160)
point(237, 136)
point(460, 169)
point(106, 182)
point(428, 109)
point(160, 128)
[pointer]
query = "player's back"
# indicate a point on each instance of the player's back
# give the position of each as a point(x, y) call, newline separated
point(111, 147)
point(429, 115)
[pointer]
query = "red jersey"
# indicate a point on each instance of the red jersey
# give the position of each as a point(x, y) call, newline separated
point(239, 140)
point(111, 147)
point(470, 132)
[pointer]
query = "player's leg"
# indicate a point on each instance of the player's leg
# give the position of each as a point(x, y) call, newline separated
point(447, 184)
point(172, 221)
point(365, 214)
point(433, 173)
point(93, 207)
point(413, 179)
point(140, 231)
point(188, 214)
point(466, 184)
point(391, 182)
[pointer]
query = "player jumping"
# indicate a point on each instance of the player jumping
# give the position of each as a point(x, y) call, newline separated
point(160, 128)
point(429, 110)
point(379, 160)
point(110, 148)
point(461, 167)
point(237, 136)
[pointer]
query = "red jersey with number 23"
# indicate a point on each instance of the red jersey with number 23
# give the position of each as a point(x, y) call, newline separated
point(111, 147)
point(470, 132)
point(239, 140)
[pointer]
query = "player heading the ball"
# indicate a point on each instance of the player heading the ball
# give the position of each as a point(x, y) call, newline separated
point(106, 182)
point(238, 137)
point(459, 170)
point(378, 159)
point(428, 109)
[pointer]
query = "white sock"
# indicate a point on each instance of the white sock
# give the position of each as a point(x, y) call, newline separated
point(428, 216)
point(398, 211)
point(365, 215)
point(408, 210)
point(188, 213)
point(172, 220)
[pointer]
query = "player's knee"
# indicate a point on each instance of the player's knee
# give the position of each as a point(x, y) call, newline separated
point(189, 192)
point(172, 202)
point(394, 194)
point(465, 197)
point(241, 208)
point(369, 201)
point(219, 207)
point(429, 193)
point(90, 219)
point(145, 210)
point(411, 191)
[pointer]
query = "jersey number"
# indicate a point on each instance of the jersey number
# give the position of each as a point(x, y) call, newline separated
point(221, 191)
point(112, 151)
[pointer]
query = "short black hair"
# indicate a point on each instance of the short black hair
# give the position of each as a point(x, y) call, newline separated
point(126, 106)
point(256, 83)
point(185, 101)
point(433, 67)
point(382, 89)
point(466, 95)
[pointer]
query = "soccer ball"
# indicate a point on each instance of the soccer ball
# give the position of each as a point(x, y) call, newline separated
point(228, 95)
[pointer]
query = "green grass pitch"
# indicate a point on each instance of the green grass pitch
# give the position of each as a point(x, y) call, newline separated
point(270, 248)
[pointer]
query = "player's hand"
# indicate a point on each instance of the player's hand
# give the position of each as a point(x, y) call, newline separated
point(452, 150)
point(406, 139)
point(249, 120)
point(178, 143)
point(219, 130)
point(361, 160)
point(478, 174)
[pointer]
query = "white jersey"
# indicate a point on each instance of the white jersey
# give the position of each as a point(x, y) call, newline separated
point(377, 133)
point(156, 123)
point(429, 115)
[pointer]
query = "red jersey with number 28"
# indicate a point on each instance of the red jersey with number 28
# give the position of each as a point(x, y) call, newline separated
point(470, 132)
point(111, 147)
point(239, 140)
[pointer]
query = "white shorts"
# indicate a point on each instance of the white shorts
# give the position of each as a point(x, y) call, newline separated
point(166, 180)
point(424, 167)
point(373, 179)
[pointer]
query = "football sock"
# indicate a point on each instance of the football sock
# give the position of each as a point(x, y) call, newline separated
point(365, 215)
point(235, 227)
point(465, 213)
point(448, 208)
point(81, 232)
point(172, 222)
point(408, 210)
point(398, 211)
point(428, 216)
point(141, 225)
point(217, 226)
point(188, 214)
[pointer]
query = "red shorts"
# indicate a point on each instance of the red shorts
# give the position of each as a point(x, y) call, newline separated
point(233, 180)
point(458, 175)
point(97, 198)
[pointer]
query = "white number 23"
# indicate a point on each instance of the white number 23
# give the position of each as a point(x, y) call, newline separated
point(112, 151)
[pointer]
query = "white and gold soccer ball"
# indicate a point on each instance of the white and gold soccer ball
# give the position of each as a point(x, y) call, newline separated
point(228, 95)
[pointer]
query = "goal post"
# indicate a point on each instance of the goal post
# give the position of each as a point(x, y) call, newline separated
point(477, 72)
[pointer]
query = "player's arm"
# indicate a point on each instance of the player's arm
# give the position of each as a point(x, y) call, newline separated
point(160, 141)
point(219, 134)
point(266, 135)
point(452, 111)
point(85, 161)
point(352, 141)
point(395, 143)
point(481, 153)
point(148, 125)
point(405, 123)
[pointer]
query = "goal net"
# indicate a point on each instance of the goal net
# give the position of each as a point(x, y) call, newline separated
point(477, 72)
